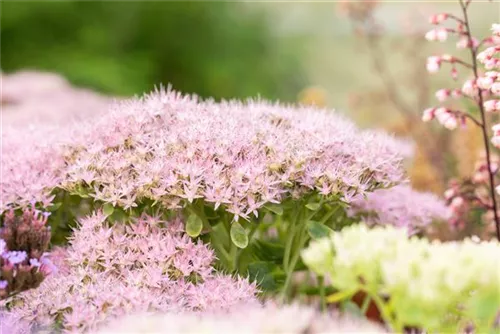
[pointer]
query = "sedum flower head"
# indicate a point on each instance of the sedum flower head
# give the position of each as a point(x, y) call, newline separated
point(172, 148)
point(112, 271)
point(45, 109)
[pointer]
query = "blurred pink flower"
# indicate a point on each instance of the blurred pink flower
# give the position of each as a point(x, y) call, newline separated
point(400, 206)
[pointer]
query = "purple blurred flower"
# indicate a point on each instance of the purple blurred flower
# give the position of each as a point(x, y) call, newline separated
point(400, 206)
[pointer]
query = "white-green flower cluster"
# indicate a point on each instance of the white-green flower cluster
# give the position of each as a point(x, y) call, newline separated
point(430, 285)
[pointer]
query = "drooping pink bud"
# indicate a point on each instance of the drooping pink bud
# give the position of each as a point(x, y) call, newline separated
point(492, 105)
point(438, 18)
point(428, 114)
point(433, 64)
point(443, 94)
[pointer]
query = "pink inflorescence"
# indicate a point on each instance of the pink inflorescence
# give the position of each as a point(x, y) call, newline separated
point(148, 266)
point(172, 148)
point(400, 206)
point(40, 112)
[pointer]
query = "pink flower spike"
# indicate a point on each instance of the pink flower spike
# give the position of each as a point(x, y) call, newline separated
point(446, 118)
point(496, 29)
point(428, 114)
point(496, 129)
point(456, 93)
point(454, 73)
point(438, 18)
point(448, 58)
point(440, 35)
point(449, 193)
point(485, 82)
point(469, 88)
point(492, 105)
point(495, 140)
point(443, 94)
point(464, 42)
point(457, 203)
point(495, 88)
point(433, 64)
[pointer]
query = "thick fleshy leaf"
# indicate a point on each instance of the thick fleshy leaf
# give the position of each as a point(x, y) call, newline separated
point(194, 225)
point(317, 230)
point(239, 235)
point(276, 209)
point(313, 206)
point(267, 275)
point(108, 209)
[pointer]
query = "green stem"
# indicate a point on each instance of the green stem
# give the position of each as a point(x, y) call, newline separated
point(233, 252)
point(289, 240)
point(386, 313)
point(301, 238)
point(366, 303)
point(329, 214)
point(321, 283)
point(340, 296)
point(221, 251)
point(239, 251)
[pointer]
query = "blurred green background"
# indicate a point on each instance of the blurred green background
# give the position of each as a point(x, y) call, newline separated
point(222, 49)
point(216, 49)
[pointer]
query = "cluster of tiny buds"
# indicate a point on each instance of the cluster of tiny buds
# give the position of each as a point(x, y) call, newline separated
point(450, 119)
point(457, 205)
point(444, 94)
point(438, 18)
point(434, 64)
point(488, 81)
point(487, 57)
point(481, 173)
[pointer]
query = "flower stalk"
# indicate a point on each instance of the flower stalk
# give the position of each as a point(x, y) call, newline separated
point(484, 130)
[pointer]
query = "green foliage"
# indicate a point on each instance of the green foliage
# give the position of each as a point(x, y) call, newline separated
point(215, 49)
point(317, 230)
point(108, 209)
point(238, 235)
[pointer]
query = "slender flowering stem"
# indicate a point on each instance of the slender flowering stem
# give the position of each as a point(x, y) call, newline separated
point(473, 51)
point(473, 119)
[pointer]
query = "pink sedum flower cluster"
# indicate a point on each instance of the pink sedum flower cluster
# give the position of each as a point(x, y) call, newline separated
point(120, 269)
point(248, 319)
point(400, 206)
point(172, 148)
point(45, 109)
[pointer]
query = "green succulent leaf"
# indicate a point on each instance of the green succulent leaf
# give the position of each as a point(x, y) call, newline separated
point(194, 225)
point(108, 209)
point(313, 206)
point(276, 209)
point(317, 230)
point(239, 235)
